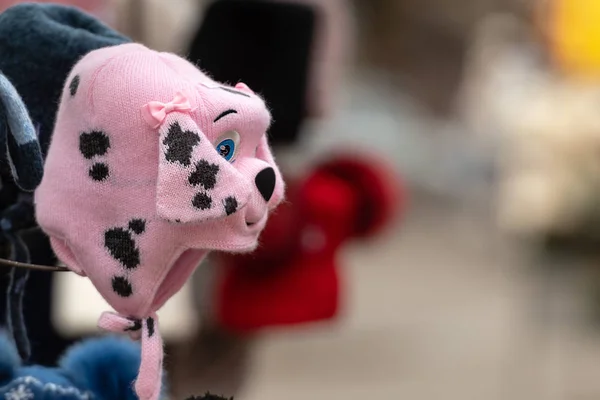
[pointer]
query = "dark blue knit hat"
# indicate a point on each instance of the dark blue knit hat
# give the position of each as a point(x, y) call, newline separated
point(39, 44)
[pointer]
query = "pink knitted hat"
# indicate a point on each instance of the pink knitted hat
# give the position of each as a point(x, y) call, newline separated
point(151, 165)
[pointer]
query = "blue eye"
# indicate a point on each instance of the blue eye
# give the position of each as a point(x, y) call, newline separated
point(226, 149)
point(227, 145)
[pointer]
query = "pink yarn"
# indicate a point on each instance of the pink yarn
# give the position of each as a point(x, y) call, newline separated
point(151, 165)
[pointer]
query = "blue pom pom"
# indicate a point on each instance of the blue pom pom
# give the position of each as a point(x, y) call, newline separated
point(107, 366)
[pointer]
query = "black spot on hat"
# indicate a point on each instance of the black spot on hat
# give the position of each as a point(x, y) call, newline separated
point(180, 144)
point(121, 286)
point(74, 85)
point(95, 143)
point(137, 226)
point(202, 201)
point(121, 246)
point(99, 172)
point(150, 323)
point(230, 204)
point(205, 175)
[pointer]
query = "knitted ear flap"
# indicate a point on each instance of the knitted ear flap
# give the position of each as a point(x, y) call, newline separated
point(196, 201)
point(21, 146)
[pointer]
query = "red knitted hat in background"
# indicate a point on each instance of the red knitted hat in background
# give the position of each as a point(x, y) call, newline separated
point(292, 278)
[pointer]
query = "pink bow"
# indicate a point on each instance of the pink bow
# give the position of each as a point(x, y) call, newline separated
point(155, 112)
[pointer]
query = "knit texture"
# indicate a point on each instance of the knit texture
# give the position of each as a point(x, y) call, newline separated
point(39, 44)
point(21, 146)
point(152, 164)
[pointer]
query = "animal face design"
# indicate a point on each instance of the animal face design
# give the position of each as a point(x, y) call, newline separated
point(225, 165)
point(151, 165)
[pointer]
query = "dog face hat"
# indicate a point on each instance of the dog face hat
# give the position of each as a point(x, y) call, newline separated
point(151, 165)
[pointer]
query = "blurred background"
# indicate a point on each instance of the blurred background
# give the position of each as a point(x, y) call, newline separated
point(441, 239)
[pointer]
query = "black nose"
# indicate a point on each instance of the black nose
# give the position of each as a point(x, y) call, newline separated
point(265, 182)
